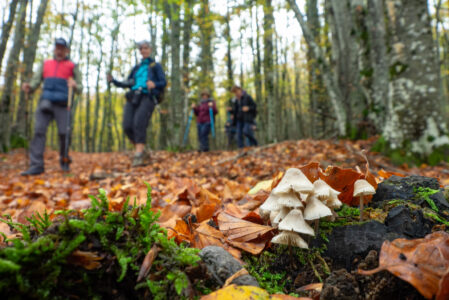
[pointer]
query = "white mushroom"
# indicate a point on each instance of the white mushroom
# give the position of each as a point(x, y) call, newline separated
point(281, 215)
point(273, 215)
point(362, 188)
point(322, 190)
point(294, 221)
point(294, 180)
point(316, 209)
point(333, 201)
point(269, 205)
point(289, 200)
point(290, 238)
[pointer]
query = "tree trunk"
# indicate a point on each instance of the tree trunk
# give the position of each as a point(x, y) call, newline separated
point(330, 82)
point(6, 29)
point(375, 20)
point(29, 55)
point(94, 135)
point(268, 70)
point(414, 114)
point(7, 98)
point(163, 126)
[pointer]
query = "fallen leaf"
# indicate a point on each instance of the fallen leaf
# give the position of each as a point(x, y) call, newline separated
point(240, 230)
point(424, 263)
point(148, 262)
point(87, 260)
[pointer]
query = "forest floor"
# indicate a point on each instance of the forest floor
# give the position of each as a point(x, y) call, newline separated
point(183, 184)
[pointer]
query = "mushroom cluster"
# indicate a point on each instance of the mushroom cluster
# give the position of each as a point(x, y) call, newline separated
point(296, 202)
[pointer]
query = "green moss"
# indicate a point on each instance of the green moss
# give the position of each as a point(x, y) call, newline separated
point(120, 240)
point(425, 193)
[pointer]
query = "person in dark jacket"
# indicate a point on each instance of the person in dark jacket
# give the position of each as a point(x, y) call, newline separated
point(203, 120)
point(58, 74)
point(146, 81)
point(230, 126)
point(244, 112)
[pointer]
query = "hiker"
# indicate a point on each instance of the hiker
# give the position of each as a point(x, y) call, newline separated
point(58, 74)
point(147, 83)
point(203, 120)
point(230, 126)
point(244, 111)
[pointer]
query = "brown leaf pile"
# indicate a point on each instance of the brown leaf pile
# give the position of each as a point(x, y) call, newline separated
point(202, 197)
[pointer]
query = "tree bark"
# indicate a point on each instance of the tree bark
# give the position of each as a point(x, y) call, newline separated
point(7, 98)
point(268, 69)
point(6, 29)
point(414, 114)
point(330, 82)
point(29, 55)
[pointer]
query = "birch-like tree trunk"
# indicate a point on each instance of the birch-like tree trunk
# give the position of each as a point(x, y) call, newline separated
point(29, 55)
point(332, 87)
point(375, 20)
point(268, 69)
point(7, 99)
point(414, 112)
point(6, 29)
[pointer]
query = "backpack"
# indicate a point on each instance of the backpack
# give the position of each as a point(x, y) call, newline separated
point(161, 95)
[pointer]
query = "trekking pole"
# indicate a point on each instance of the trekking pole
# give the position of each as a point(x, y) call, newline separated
point(27, 132)
point(69, 116)
point(212, 125)
point(186, 133)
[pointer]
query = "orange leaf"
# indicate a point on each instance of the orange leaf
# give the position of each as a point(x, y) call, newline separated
point(424, 263)
point(385, 174)
point(206, 235)
point(343, 181)
point(85, 259)
point(240, 230)
point(312, 171)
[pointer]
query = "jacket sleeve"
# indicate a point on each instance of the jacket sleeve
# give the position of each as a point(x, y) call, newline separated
point(37, 78)
point(78, 78)
point(160, 80)
point(252, 105)
point(128, 83)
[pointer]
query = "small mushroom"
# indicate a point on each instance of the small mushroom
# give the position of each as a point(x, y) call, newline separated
point(290, 238)
point(273, 215)
point(289, 200)
point(362, 188)
point(281, 215)
point(322, 190)
point(271, 204)
point(294, 180)
point(294, 221)
point(333, 201)
point(316, 209)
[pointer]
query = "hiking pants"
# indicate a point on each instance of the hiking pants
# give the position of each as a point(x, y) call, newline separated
point(245, 129)
point(136, 119)
point(56, 112)
point(203, 136)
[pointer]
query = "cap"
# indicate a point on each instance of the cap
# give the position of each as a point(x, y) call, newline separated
point(144, 42)
point(205, 92)
point(62, 42)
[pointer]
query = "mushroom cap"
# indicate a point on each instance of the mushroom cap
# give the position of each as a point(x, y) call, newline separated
point(294, 180)
point(273, 215)
point(290, 200)
point(316, 209)
point(363, 188)
point(333, 201)
point(322, 190)
point(272, 203)
point(290, 238)
point(281, 215)
point(294, 221)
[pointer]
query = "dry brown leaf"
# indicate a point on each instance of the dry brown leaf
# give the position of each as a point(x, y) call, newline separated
point(148, 262)
point(86, 259)
point(240, 230)
point(424, 263)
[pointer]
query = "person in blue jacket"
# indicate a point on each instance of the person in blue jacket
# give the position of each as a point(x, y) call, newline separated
point(147, 82)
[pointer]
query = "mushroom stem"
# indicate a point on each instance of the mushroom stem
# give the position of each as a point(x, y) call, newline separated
point(361, 208)
point(290, 250)
point(316, 227)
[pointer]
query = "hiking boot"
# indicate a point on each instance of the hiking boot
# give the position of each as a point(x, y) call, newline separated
point(32, 171)
point(65, 164)
point(140, 159)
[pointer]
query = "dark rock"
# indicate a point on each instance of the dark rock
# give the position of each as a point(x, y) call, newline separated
point(407, 223)
point(221, 265)
point(440, 200)
point(405, 188)
point(348, 244)
point(340, 285)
